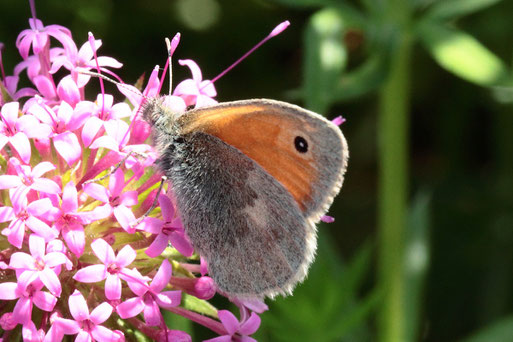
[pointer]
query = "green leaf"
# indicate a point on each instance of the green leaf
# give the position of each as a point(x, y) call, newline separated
point(449, 9)
point(325, 58)
point(416, 262)
point(198, 305)
point(462, 55)
point(501, 330)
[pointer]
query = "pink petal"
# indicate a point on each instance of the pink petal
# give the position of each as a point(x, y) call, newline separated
point(78, 306)
point(22, 261)
point(130, 308)
point(54, 259)
point(100, 333)
point(230, 322)
point(105, 142)
point(97, 192)
point(117, 182)
point(151, 225)
point(83, 336)
point(64, 113)
point(157, 246)
point(68, 147)
point(204, 101)
point(125, 256)
point(44, 300)
point(181, 244)
point(120, 110)
point(103, 251)
point(16, 233)
point(42, 168)
point(250, 326)
point(91, 128)
point(125, 217)
point(45, 86)
point(75, 239)
point(109, 62)
point(41, 228)
point(51, 281)
point(68, 91)
point(101, 313)
point(152, 315)
point(21, 144)
point(39, 207)
point(37, 246)
point(8, 291)
point(224, 338)
point(162, 277)
point(112, 287)
point(69, 198)
point(9, 181)
point(22, 312)
point(68, 326)
point(194, 68)
point(168, 210)
point(91, 274)
point(169, 299)
point(30, 333)
point(46, 185)
point(32, 127)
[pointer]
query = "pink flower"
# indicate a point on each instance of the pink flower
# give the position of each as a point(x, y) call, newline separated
point(150, 298)
point(195, 91)
point(29, 179)
point(69, 221)
point(117, 201)
point(233, 327)
point(87, 325)
point(167, 230)
point(23, 215)
point(27, 297)
point(113, 268)
point(84, 60)
point(38, 37)
point(10, 133)
point(38, 265)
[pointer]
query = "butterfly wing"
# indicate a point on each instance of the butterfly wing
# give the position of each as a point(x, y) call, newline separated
point(239, 218)
point(269, 132)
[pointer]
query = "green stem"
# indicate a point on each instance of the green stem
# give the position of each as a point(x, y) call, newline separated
point(393, 189)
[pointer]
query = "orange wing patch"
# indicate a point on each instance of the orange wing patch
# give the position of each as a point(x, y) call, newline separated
point(266, 135)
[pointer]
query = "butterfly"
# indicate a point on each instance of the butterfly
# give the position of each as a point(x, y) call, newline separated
point(250, 179)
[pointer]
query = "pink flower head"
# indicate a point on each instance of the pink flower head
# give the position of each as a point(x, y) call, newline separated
point(196, 91)
point(87, 325)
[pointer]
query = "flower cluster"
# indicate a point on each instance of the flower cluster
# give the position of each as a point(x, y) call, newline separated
point(78, 254)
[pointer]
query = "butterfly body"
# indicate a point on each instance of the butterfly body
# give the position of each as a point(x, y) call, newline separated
point(251, 179)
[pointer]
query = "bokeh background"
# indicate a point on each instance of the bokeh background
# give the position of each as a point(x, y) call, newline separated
point(422, 245)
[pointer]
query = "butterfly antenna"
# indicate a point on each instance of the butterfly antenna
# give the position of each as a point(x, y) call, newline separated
point(108, 79)
point(276, 31)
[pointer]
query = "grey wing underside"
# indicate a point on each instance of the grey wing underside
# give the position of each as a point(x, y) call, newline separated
point(239, 218)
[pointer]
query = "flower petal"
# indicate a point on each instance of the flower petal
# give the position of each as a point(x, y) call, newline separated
point(21, 144)
point(8, 291)
point(78, 306)
point(97, 192)
point(250, 326)
point(68, 147)
point(51, 281)
point(91, 274)
point(44, 300)
point(100, 333)
point(162, 277)
point(103, 251)
point(101, 313)
point(125, 256)
point(230, 322)
point(130, 308)
point(112, 287)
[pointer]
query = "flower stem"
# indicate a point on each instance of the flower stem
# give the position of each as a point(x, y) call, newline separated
point(393, 185)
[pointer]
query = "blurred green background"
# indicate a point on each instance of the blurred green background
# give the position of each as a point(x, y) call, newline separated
point(422, 245)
